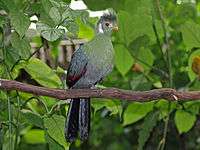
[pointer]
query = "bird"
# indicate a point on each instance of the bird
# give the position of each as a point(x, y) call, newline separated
point(89, 65)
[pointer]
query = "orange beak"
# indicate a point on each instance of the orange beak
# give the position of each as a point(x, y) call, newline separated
point(115, 29)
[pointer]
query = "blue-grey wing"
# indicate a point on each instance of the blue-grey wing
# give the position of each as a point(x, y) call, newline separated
point(77, 66)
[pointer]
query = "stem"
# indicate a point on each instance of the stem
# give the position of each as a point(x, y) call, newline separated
point(10, 123)
point(6, 33)
point(17, 123)
point(166, 128)
point(169, 64)
point(158, 39)
point(166, 39)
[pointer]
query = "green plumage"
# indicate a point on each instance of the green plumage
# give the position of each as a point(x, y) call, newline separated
point(89, 65)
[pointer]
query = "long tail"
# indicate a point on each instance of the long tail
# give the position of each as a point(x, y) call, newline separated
point(71, 124)
point(78, 119)
point(84, 118)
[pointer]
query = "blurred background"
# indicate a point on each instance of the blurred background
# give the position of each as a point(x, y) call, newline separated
point(157, 46)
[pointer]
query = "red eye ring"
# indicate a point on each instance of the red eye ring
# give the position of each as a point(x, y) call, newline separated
point(107, 24)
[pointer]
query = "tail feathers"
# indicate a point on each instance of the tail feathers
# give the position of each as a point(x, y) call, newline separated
point(78, 119)
point(71, 125)
point(84, 118)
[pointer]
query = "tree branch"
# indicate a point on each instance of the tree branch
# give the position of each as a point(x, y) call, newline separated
point(110, 93)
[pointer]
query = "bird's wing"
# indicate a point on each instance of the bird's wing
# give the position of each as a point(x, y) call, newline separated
point(77, 67)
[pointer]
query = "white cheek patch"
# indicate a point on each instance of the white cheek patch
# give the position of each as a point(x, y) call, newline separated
point(100, 28)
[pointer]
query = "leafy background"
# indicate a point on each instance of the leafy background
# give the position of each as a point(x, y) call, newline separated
point(154, 48)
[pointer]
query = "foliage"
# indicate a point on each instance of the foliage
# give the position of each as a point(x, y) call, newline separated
point(147, 127)
point(181, 123)
point(154, 48)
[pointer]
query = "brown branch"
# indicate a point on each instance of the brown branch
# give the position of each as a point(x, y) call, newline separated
point(110, 93)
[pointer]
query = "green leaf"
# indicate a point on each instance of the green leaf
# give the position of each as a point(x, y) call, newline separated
point(55, 128)
point(44, 75)
point(162, 106)
point(49, 101)
point(115, 107)
point(98, 104)
point(149, 123)
point(11, 57)
point(55, 15)
point(19, 20)
point(3, 72)
point(55, 3)
point(191, 34)
point(142, 26)
point(125, 34)
point(47, 5)
point(136, 21)
point(21, 45)
point(145, 55)
point(17, 69)
point(138, 43)
point(136, 111)
point(33, 118)
point(85, 31)
point(67, 15)
point(191, 74)
point(45, 8)
point(53, 145)
point(123, 59)
point(3, 95)
point(133, 7)
point(184, 121)
point(192, 106)
point(112, 105)
point(34, 136)
point(49, 33)
point(73, 29)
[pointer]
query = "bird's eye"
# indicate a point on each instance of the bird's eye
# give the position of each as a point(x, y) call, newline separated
point(107, 24)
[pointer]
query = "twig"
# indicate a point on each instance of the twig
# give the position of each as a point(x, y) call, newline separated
point(37, 50)
point(110, 93)
point(31, 55)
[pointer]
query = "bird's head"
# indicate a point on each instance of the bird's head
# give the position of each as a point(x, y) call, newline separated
point(107, 22)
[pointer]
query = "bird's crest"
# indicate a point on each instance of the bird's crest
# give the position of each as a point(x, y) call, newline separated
point(109, 14)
